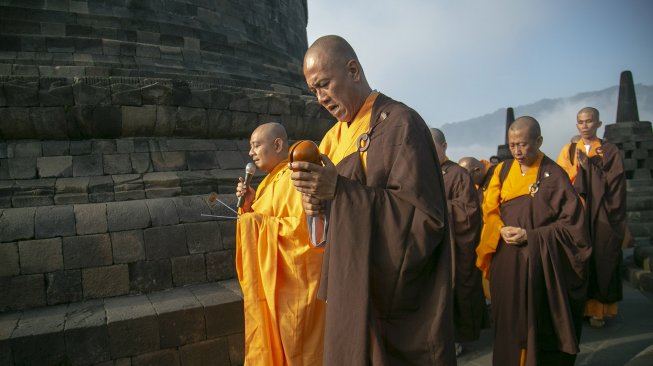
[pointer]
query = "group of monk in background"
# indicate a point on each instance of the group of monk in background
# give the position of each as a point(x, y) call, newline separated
point(388, 253)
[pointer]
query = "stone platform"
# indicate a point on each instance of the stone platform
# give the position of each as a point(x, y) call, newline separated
point(192, 325)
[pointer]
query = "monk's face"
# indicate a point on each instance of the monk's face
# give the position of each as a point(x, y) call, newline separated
point(587, 124)
point(523, 147)
point(264, 151)
point(333, 81)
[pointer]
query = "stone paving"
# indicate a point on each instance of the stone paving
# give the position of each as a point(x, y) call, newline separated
point(619, 342)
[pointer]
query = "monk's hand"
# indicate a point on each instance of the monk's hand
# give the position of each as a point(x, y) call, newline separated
point(513, 235)
point(581, 158)
point(315, 180)
point(312, 206)
point(248, 192)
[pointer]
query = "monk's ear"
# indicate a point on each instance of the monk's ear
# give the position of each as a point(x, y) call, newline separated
point(599, 125)
point(278, 145)
point(539, 141)
point(354, 69)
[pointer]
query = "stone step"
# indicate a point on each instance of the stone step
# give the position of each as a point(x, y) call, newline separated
point(67, 253)
point(640, 183)
point(639, 241)
point(644, 358)
point(639, 216)
point(641, 228)
point(198, 324)
point(643, 257)
point(641, 204)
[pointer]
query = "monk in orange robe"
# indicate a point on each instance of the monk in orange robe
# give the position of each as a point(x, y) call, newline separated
point(277, 267)
point(386, 272)
point(596, 169)
point(535, 250)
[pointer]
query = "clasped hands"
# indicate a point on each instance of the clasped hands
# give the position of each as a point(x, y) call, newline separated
point(316, 183)
point(513, 235)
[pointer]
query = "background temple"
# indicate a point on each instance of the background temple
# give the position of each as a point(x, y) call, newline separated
point(117, 119)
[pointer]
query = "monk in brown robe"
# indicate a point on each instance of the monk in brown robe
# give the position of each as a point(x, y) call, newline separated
point(278, 269)
point(481, 172)
point(465, 228)
point(596, 169)
point(534, 250)
point(387, 266)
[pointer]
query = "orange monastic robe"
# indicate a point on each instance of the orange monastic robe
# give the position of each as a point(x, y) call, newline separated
point(279, 274)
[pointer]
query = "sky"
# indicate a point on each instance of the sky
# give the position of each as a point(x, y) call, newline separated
point(452, 60)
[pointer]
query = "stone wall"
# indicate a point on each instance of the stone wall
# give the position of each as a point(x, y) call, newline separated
point(259, 43)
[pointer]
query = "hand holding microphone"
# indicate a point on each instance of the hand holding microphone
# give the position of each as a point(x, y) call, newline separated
point(244, 191)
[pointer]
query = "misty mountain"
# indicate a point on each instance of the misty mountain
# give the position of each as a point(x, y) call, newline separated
point(480, 136)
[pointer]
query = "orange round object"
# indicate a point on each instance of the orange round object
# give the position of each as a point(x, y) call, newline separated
point(304, 150)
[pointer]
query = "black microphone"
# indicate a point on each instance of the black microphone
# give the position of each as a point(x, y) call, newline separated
point(250, 169)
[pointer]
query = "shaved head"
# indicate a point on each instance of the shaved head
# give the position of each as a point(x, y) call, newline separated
point(272, 131)
point(528, 123)
point(475, 168)
point(438, 135)
point(333, 49)
point(592, 111)
point(268, 146)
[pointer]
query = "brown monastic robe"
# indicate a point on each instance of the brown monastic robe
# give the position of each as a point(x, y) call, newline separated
point(386, 275)
point(465, 221)
point(538, 288)
point(602, 184)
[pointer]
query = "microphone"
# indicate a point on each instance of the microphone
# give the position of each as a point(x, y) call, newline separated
point(250, 169)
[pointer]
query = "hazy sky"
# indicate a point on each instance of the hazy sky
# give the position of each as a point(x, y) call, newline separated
point(452, 60)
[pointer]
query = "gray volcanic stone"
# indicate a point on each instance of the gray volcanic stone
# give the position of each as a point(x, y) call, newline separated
point(223, 309)
point(156, 94)
point(202, 160)
point(141, 162)
point(210, 352)
point(124, 94)
point(163, 212)
point(165, 242)
point(27, 149)
point(138, 121)
point(49, 122)
point(203, 237)
point(21, 292)
point(165, 161)
point(188, 270)
point(55, 166)
point(72, 185)
point(90, 94)
point(39, 256)
point(166, 119)
point(130, 318)
point(57, 96)
point(124, 146)
point(87, 337)
point(87, 165)
point(219, 123)
point(220, 265)
point(128, 246)
point(181, 318)
point(127, 215)
point(103, 147)
point(117, 164)
point(38, 328)
point(23, 95)
point(91, 218)
point(15, 123)
point(160, 179)
point(190, 209)
point(231, 160)
point(228, 234)
point(51, 221)
point(87, 251)
point(163, 357)
point(64, 287)
point(148, 276)
point(17, 224)
point(22, 168)
point(55, 148)
point(80, 147)
point(105, 281)
point(9, 262)
point(191, 122)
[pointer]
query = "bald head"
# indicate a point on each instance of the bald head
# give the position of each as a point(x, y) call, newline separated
point(440, 144)
point(591, 111)
point(524, 141)
point(438, 136)
point(268, 146)
point(335, 76)
point(528, 124)
point(332, 49)
point(475, 168)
